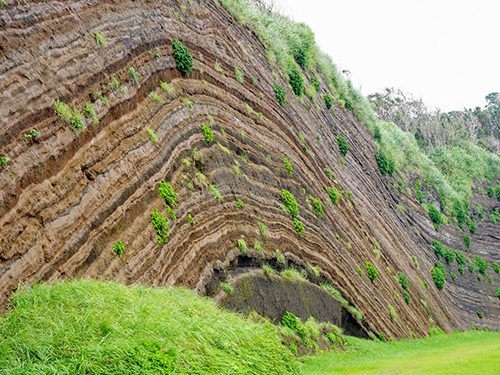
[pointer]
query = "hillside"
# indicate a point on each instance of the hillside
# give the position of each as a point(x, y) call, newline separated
point(125, 160)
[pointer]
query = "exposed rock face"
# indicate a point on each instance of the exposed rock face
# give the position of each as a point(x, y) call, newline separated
point(71, 197)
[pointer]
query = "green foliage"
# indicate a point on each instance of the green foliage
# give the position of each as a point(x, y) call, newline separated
point(490, 191)
point(242, 245)
point(489, 279)
point(165, 87)
point(215, 192)
point(290, 203)
point(480, 314)
point(459, 212)
point(291, 321)
point(99, 39)
point(466, 239)
point(334, 194)
point(240, 77)
point(268, 269)
point(407, 297)
point(3, 161)
point(296, 81)
point(343, 145)
point(318, 207)
point(403, 280)
point(328, 101)
point(88, 111)
point(328, 173)
point(262, 228)
point(291, 274)
point(190, 219)
point(93, 327)
point(119, 248)
point(472, 226)
point(453, 276)
point(167, 192)
point(227, 288)
point(134, 74)
point(439, 275)
point(299, 228)
point(415, 261)
point(385, 164)
point(62, 111)
point(155, 97)
point(239, 203)
point(280, 94)
point(280, 258)
point(461, 260)
point(161, 226)
point(152, 135)
point(497, 192)
point(288, 165)
point(182, 57)
point(448, 255)
point(426, 286)
point(460, 269)
point(372, 271)
point(116, 86)
point(32, 134)
point(480, 264)
point(207, 133)
point(171, 212)
point(495, 267)
point(435, 216)
point(497, 292)
point(392, 312)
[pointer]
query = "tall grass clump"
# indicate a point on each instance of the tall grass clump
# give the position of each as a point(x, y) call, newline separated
point(92, 327)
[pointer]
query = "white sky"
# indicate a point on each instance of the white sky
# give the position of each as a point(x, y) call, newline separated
point(446, 52)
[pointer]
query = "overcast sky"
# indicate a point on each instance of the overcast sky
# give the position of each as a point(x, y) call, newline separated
point(446, 52)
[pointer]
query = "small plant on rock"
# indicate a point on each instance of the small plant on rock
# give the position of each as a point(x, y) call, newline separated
point(280, 94)
point(242, 245)
point(207, 133)
point(328, 101)
point(161, 226)
point(343, 145)
point(182, 57)
point(403, 280)
point(99, 39)
point(407, 297)
point(167, 192)
point(119, 248)
point(372, 271)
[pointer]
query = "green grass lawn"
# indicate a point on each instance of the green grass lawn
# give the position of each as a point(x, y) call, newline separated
point(460, 353)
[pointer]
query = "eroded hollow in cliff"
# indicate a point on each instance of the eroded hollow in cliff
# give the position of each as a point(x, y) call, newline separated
point(271, 295)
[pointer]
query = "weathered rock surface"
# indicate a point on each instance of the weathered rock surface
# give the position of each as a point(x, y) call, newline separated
point(65, 199)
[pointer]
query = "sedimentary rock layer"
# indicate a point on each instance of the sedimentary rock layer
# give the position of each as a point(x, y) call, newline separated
point(66, 198)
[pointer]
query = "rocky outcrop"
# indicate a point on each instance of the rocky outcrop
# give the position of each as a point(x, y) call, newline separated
point(66, 198)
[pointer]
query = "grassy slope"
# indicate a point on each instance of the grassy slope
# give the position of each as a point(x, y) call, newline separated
point(461, 353)
point(94, 327)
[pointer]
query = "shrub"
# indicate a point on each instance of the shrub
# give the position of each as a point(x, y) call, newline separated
point(480, 314)
point(207, 133)
point(161, 226)
point(435, 216)
point(448, 255)
point(472, 226)
point(334, 194)
point(459, 212)
point(296, 81)
point(480, 264)
point(318, 207)
point(406, 296)
point(490, 191)
point(167, 192)
point(298, 226)
point(466, 239)
point(439, 275)
point(288, 165)
point(242, 246)
point(182, 57)
point(152, 135)
point(461, 260)
point(495, 267)
point(461, 269)
point(280, 94)
point(119, 248)
point(403, 280)
point(343, 145)
point(497, 191)
point(453, 276)
point(438, 249)
point(372, 271)
point(290, 203)
point(386, 165)
point(99, 39)
point(328, 101)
